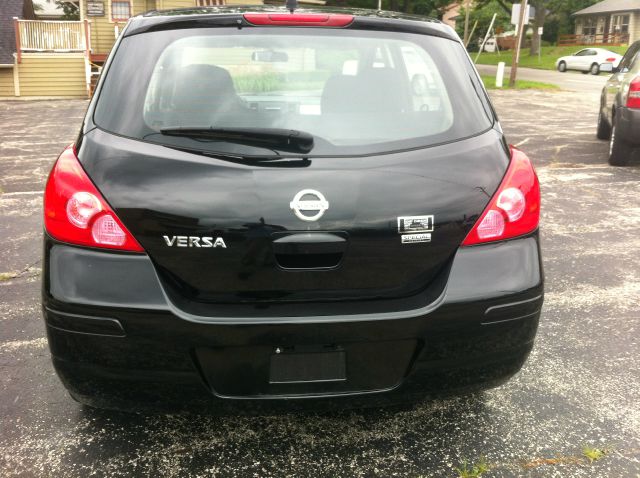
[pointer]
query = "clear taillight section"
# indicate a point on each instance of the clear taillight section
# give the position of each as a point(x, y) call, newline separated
point(514, 209)
point(81, 207)
point(75, 212)
point(633, 99)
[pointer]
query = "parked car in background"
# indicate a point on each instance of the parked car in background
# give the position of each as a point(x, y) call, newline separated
point(588, 60)
point(619, 117)
point(489, 46)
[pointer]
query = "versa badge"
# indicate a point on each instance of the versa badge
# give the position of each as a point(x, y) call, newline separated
point(194, 241)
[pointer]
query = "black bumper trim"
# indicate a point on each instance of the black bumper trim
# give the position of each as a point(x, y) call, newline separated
point(510, 269)
point(82, 324)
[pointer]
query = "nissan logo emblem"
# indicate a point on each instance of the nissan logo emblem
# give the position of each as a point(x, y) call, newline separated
point(315, 202)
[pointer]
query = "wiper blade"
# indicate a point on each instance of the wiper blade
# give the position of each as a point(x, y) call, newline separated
point(279, 139)
point(287, 162)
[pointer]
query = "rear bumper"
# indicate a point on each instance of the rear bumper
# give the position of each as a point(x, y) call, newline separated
point(118, 340)
point(628, 125)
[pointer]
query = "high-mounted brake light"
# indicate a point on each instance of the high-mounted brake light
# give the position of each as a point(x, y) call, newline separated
point(514, 209)
point(75, 212)
point(633, 100)
point(299, 19)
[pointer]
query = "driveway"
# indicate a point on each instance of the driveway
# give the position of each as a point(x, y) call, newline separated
point(580, 387)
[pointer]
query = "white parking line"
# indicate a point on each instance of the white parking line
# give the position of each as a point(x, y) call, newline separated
point(22, 193)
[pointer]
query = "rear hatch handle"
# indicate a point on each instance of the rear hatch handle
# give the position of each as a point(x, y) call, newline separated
point(309, 243)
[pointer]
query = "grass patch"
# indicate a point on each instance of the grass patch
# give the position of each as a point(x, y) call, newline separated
point(490, 84)
point(4, 276)
point(548, 56)
point(474, 470)
point(594, 454)
point(266, 82)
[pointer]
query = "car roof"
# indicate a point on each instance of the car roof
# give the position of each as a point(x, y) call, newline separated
point(231, 16)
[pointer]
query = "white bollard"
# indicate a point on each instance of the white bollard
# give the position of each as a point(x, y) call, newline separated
point(500, 74)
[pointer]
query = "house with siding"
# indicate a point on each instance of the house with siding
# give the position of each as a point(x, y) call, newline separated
point(106, 18)
point(61, 59)
point(10, 9)
point(609, 22)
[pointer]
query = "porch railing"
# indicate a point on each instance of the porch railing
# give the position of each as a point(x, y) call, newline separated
point(52, 36)
point(611, 39)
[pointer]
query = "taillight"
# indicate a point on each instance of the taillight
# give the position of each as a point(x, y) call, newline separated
point(514, 209)
point(633, 100)
point(610, 60)
point(299, 19)
point(75, 212)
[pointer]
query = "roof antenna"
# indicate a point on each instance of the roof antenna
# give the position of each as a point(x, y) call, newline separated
point(292, 5)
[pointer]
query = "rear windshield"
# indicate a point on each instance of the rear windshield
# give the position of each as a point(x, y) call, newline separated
point(355, 92)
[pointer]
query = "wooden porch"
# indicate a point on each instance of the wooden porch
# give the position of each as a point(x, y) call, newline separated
point(602, 39)
point(53, 58)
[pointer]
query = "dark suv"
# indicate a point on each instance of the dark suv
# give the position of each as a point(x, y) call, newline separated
point(619, 115)
point(273, 205)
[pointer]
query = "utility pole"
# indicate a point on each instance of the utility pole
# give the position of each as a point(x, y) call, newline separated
point(466, 22)
point(516, 55)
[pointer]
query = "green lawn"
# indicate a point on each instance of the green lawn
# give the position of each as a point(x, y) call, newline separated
point(548, 57)
point(490, 84)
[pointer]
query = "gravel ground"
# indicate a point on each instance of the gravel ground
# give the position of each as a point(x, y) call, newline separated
point(580, 387)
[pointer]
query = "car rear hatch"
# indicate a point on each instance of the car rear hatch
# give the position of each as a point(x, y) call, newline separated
point(402, 162)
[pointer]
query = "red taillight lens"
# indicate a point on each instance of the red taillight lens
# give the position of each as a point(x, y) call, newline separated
point(514, 209)
point(633, 100)
point(75, 211)
point(299, 19)
point(610, 60)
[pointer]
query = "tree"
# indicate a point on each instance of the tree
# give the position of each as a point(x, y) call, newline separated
point(559, 12)
point(71, 10)
point(483, 13)
point(538, 22)
point(431, 8)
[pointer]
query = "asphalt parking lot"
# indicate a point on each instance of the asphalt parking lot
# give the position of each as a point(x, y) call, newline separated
point(580, 387)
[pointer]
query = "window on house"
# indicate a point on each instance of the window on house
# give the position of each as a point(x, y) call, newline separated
point(620, 24)
point(120, 11)
point(209, 3)
point(589, 26)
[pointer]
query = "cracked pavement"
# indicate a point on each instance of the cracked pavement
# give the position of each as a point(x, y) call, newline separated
point(580, 387)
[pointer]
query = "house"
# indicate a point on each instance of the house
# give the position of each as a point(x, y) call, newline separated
point(451, 13)
point(61, 59)
point(40, 58)
point(106, 18)
point(608, 22)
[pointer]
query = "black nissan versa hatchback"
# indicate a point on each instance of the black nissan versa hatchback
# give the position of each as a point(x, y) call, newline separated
point(274, 206)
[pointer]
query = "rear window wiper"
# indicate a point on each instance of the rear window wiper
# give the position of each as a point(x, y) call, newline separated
point(281, 161)
point(280, 139)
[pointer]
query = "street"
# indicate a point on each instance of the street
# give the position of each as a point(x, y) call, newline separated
point(570, 80)
point(579, 389)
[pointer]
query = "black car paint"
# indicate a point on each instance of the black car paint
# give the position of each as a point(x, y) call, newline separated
point(124, 330)
point(118, 341)
point(201, 196)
